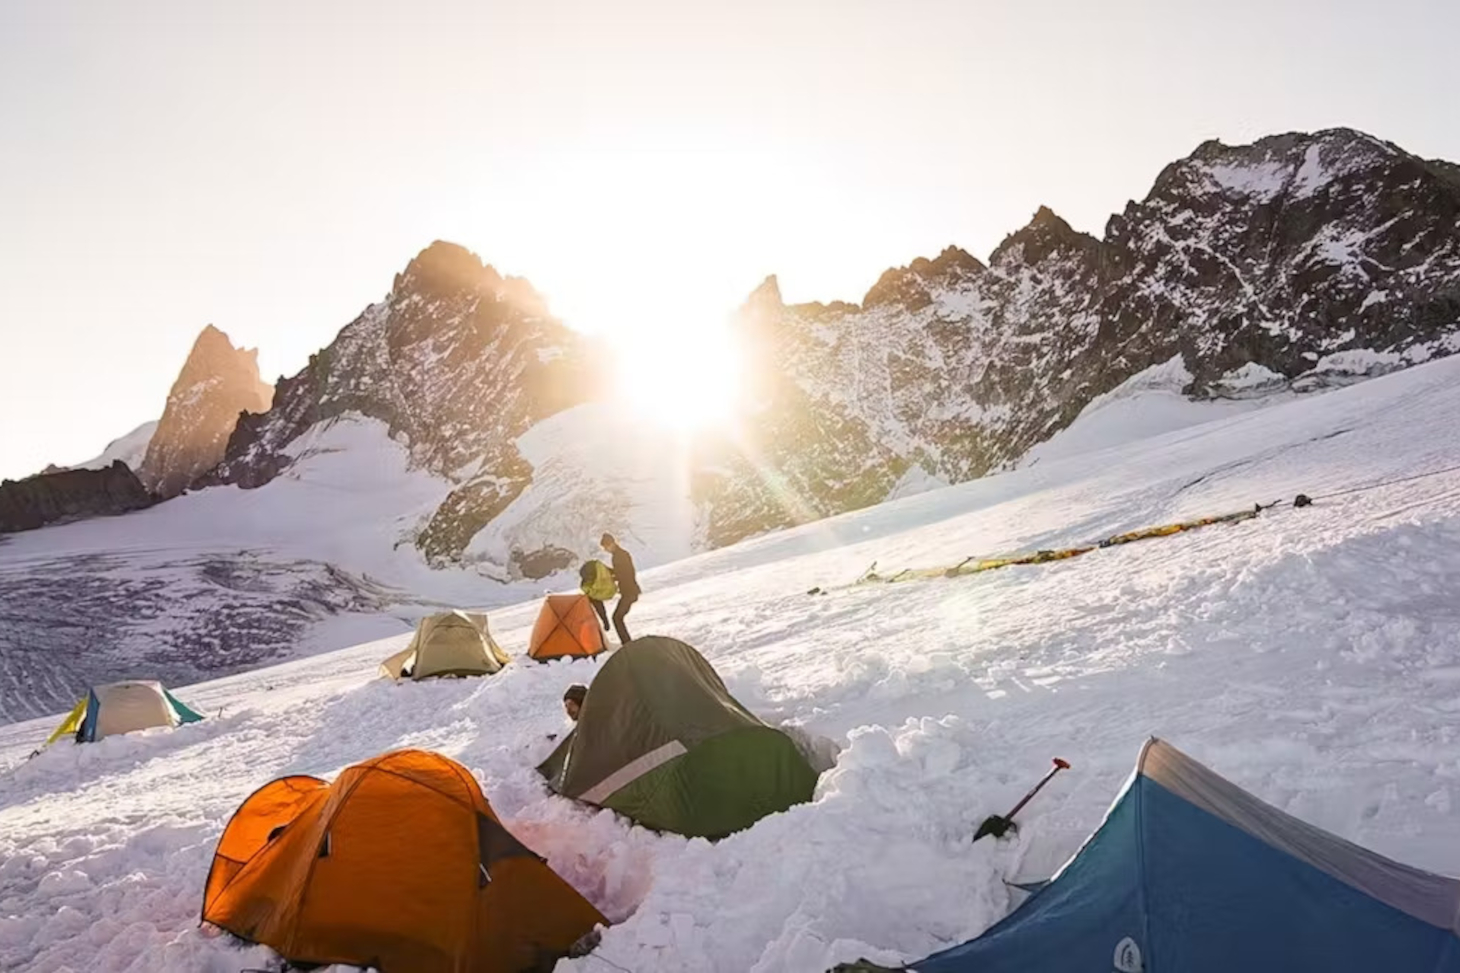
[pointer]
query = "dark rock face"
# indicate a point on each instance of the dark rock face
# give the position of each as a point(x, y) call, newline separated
point(1311, 259)
point(217, 383)
point(545, 561)
point(457, 361)
point(50, 498)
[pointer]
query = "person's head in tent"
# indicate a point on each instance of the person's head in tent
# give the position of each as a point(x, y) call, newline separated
point(573, 700)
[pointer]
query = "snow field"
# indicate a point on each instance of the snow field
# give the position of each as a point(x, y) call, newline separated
point(1310, 655)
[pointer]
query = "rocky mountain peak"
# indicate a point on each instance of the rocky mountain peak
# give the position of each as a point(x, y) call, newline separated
point(1294, 165)
point(445, 268)
point(216, 384)
point(214, 355)
point(457, 362)
point(1304, 260)
point(767, 295)
point(916, 285)
point(1046, 233)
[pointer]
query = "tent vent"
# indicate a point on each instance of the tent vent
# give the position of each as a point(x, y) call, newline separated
point(324, 846)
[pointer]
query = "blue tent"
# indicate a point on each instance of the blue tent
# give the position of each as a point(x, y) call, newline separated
point(1191, 874)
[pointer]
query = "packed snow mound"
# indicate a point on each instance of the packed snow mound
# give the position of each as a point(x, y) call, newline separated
point(1310, 655)
point(130, 449)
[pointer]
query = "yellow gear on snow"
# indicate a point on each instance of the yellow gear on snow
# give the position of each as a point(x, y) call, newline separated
point(977, 565)
point(602, 586)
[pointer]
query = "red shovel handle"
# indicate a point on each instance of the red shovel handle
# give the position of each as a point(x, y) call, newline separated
point(1058, 766)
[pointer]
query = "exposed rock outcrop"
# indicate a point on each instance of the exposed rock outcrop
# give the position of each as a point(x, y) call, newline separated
point(52, 498)
point(218, 382)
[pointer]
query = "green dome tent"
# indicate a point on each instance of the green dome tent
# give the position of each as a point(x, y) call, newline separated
point(661, 741)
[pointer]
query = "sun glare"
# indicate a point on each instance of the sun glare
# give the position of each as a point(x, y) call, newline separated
point(685, 379)
point(650, 243)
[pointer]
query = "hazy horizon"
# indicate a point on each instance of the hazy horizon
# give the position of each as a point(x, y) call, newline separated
point(269, 169)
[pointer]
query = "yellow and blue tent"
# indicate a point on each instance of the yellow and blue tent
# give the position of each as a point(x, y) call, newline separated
point(122, 707)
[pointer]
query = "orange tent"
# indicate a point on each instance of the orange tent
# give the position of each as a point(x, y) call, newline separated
point(566, 628)
point(400, 865)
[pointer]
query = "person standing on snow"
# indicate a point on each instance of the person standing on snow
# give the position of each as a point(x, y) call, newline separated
point(628, 585)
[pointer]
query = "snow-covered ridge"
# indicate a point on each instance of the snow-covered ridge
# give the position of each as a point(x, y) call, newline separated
point(1295, 264)
point(1298, 263)
point(130, 449)
point(1311, 656)
point(1153, 403)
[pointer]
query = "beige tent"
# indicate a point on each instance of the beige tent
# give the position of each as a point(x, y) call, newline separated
point(454, 643)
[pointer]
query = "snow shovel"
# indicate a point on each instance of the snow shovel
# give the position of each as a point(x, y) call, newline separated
point(1000, 826)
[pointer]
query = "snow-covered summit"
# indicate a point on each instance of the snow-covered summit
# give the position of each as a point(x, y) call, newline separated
point(457, 361)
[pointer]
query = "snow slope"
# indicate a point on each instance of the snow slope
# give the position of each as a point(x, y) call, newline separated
point(598, 467)
point(226, 579)
point(1311, 655)
point(1151, 403)
point(130, 449)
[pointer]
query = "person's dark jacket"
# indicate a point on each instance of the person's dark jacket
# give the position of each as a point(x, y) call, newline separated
point(625, 575)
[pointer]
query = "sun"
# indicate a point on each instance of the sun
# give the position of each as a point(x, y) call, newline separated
point(684, 378)
point(648, 242)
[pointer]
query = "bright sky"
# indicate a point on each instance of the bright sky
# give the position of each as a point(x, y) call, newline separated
point(268, 166)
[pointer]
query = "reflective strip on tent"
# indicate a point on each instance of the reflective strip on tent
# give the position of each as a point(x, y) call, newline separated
point(632, 771)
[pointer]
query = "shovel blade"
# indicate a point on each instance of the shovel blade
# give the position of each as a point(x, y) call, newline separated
point(995, 825)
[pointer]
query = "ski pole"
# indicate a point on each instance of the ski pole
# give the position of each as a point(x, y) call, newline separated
point(998, 826)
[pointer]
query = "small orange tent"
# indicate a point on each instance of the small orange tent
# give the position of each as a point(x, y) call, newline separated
point(400, 865)
point(566, 628)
